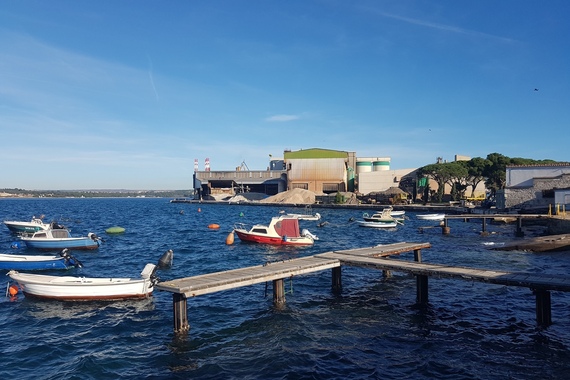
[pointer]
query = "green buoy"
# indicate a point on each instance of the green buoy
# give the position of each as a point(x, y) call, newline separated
point(115, 230)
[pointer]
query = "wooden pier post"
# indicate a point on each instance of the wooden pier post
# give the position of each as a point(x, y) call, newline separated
point(445, 228)
point(421, 281)
point(180, 307)
point(422, 289)
point(337, 279)
point(519, 232)
point(543, 307)
point(484, 226)
point(279, 291)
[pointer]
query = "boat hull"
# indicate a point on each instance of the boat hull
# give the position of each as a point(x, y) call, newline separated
point(57, 244)
point(431, 217)
point(25, 227)
point(264, 239)
point(68, 288)
point(25, 262)
point(377, 224)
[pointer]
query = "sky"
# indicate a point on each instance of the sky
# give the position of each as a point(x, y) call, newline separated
point(127, 94)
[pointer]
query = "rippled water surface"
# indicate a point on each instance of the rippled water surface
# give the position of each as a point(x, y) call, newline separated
point(373, 329)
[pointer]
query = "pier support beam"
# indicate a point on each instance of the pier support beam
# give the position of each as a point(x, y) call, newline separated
point(422, 289)
point(484, 227)
point(543, 307)
point(519, 232)
point(278, 291)
point(337, 279)
point(180, 307)
point(445, 228)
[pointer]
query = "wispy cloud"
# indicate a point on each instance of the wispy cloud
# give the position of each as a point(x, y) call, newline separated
point(443, 27)
point(282, 118)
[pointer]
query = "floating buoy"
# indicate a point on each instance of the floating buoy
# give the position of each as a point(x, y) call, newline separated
point(230, 238)
point(241, 214)
point(199, 209)
point(13, 290)
point(213, 226)
point(115, 230)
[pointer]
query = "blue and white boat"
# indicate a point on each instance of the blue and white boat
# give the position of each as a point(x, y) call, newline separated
point(60, 238)
point(36, 262)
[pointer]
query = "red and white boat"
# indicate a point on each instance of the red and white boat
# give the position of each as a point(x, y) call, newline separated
point(282, 230)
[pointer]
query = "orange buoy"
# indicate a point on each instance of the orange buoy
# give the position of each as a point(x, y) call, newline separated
point(230, 238)
point(13, 290)
point(213, 226)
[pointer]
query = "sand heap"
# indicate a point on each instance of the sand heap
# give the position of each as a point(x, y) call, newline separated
point(295, 196)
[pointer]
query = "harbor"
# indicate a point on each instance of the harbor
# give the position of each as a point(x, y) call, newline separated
point(351, 315)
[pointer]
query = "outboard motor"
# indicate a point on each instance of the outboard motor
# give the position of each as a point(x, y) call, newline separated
point(69, 259)
point(165, 260)
point(306, 232)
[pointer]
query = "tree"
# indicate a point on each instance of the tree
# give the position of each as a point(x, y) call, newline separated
point(475, 172)
point(451, 173)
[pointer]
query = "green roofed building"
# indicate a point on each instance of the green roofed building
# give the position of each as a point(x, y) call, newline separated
point(320, 170)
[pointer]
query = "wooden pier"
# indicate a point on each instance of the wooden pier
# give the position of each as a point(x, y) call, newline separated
point(377, 257)
point(445, 229)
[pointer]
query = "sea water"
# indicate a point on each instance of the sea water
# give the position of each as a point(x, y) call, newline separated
point(373, 329)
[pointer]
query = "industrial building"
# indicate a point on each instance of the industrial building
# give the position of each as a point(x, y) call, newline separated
point(321, 171)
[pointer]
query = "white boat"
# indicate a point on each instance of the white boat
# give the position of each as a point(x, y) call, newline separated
point(67, 288)
point(386, 216)
point(308, 215)
point(377, 224)
point(36, 224)
point(394, 212)
point(431, 216)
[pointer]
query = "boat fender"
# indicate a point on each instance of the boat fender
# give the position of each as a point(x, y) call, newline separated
point(13, 290)
point(284, 237)
point(230, 238)
point(166, 259)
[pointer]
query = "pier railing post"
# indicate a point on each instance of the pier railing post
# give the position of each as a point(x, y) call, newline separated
point(278, 291)
point(180, 308)
point(337, 279)
point(543, 307)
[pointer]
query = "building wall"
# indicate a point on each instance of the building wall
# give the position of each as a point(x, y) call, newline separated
point(369, 182)
point(521, 176)
point(539, 194)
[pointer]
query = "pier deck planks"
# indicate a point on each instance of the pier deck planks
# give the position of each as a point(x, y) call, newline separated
point(214, 282)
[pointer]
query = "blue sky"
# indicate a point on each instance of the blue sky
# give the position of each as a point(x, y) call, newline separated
point(126, 94)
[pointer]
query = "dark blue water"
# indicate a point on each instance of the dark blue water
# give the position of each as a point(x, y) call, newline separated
point(372, 330)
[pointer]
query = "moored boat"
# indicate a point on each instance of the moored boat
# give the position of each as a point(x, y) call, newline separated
point(431, 216)
point(60, 238)
point(282, 230)
point(68, 288)
point(377, 224)
point(10, 261)
point(36, 224)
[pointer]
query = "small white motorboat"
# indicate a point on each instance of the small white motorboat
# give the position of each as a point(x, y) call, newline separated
point(377, 224)
point(437, 217)
point(67, 288)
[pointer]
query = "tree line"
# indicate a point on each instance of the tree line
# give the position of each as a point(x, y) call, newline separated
point(462, 175)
